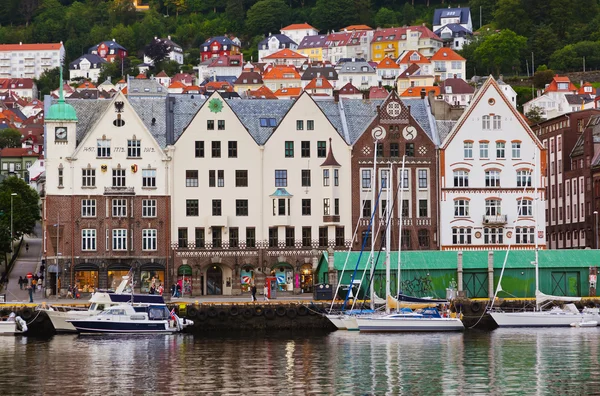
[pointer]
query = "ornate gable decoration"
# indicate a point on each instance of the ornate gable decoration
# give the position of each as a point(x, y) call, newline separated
point(393, 111)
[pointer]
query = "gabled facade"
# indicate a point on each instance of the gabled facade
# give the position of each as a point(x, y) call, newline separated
point(448, 64)
point(17, 161)
point(87, 66)
point(312, 47)
point(109, 51)
point(411, 57)
point(350, 44)
point(397, 135)
point(24, 88)
point(218, 46)
point(175, 51)
point(282, 77)
point(490, 166)
point(457, 92)
point(388, 71)
point(319, 86)
point(275, 43)
point(414, 77)
point(286, 57)
point(107, 201)
point(226, 66)
point(392, 42)
point(298, 31)
point(447, 16)
point(248, 80)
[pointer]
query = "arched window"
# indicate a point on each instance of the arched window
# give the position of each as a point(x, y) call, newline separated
point(492, 178)
point(525, 207)
point(461, 208)
point(524, 178)
point(461, 178)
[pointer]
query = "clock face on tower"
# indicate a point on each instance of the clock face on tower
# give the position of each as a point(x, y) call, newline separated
point(60, 133)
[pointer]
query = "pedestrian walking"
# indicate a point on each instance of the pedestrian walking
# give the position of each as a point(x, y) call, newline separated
point(26, 247)
point(30, 289)
point(21, 282)
point(266, 292)
point(160, 289)
point(173, 289)
point(253, 291)
point(33, 284)
point(178, 290)
point(152, 289)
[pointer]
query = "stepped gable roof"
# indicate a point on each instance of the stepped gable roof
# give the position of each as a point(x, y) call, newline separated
point(315, 71)
point(285, 53)
point(457, 86)
point(387, 63)
point(315, 41)
point(378, 93)
point(406, 58)
point(314, 84)
point(415, 92)
point(279, 73)
point(223, 40)
point(31, 47)
point(330, 160)
point(162, 74)
point(262, 93)
point(249, 78)
point(446, 54)
point(440, 13)
point(92, 58)
point(282, 38)
point(349, 89)
point(299, 26)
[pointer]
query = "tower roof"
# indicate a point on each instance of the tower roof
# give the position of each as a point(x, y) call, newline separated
point(330, 160)
point(61, 111)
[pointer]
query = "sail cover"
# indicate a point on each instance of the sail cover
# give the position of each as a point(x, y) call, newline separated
point(542, 298)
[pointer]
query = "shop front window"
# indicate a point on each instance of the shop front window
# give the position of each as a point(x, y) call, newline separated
point(86, 281)
point(147, 278)
point(285, 277)
point(115, 277)
point(247, 278)
point(306, 278)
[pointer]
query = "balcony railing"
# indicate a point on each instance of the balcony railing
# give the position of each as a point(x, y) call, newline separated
point(119, 191)
point(440, 69)
point(494, 219)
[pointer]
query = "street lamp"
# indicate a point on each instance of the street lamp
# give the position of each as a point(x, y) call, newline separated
point(596, 217)
point(11, 223)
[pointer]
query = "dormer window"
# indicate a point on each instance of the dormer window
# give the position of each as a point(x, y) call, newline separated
point(563, 86)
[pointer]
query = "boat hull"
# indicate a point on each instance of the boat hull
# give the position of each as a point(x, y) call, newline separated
point(539, 319)
point(100, 327)
point(337, 321)
point(8, 328)
point(59, 319)
point(350, 322)
point(409, 324)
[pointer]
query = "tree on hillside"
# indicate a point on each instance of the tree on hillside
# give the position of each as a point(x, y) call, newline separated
point(236, 14)
point(157, 50)
point(266, 16)
point(178, 5)
point(10, 138)
point(510, 14)
point(48, 81)
point(542, 77)
point(408, 13)
point(501, 52)
point(333, 14)
point(385, 18)
point(571, 57)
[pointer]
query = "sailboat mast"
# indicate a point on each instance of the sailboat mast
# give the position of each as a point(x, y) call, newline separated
point(372, 289)
point(535, 235)
point(388, 239)
point(400, 220)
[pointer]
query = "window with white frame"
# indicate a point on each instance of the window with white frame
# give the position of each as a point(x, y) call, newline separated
point(149, 208)
point(492, 207)
point(326, 207)
point(88, 239)
point(525, 235)
point(134, 148)
point(119, 239)
point(493, 235)
point(384, 178)
point(366, 178)
point(523, 178)
point(461, 178)
point(500, 146)
point(325, 177)
point(422, 178)
point(149, 178)
point(468, 150)
point(525, 207)
point(118, 177)
point(119, 207)
point(404, 178)
point(516, 149)
point(485, 122)
point(103, 148)
point(496, 122)
point(461, 208)
point(492, 178)
point(484, 150)
point(149, 239)
point(88, 177)
point(461, 236)
point(88, 208)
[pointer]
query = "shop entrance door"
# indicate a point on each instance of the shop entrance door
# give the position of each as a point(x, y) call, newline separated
point(214, 281)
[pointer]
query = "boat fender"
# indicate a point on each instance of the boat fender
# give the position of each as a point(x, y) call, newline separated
point(258, 311)
point(280, 311)
point(234, 310)
point(192, 312)
point(270, 313)
point(26, 313)
point(247, 313)
point(291, 313)
point(21, 324)
point(212, 312)
point(222, 315)
point(475, 306)
point(201, 315)
point(302, 310)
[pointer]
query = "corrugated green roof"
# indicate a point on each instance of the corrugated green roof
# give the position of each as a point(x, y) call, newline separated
point(435, 259)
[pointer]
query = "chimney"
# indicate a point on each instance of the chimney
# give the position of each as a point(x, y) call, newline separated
point(423, 93)
point(379, 84)
point(455, 76)
point(169, 37)
point(114, 40)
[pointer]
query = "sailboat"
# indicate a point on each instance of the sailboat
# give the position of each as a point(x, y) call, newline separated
point(411, 313)
point(554, 317)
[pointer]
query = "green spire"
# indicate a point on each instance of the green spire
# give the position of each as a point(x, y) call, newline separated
point(61, 111)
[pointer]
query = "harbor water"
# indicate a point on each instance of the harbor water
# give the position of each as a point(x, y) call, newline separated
point(503, 361)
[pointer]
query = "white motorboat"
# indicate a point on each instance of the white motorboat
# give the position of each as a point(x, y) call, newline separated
point(555, 317)
point(129, 319)
point(427, 319)
point(60, 314)
point(12, 325)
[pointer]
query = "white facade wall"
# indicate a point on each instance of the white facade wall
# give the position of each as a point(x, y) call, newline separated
point(29, 63)
point(470, 130)
point(86, 71)
point(298, 34)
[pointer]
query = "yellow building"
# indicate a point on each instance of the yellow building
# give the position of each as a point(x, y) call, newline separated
point(312, 47)
point(394, 41)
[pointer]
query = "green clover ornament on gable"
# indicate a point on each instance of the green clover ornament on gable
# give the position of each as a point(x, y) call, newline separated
point(215, 105)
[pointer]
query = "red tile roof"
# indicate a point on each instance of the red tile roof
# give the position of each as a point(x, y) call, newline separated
point(218, 86)
point(17, 152)
point(87, 85)
point(30, 47)
point(288, 92)
point(583, 91)
point(19, 83)
point(407, 60)
point(378, 93)
point(415, 92)
point(553, 86)
point(299, 26)
point(357, 27)
point(446, 53)
point(141, 76)
point(162, 74)
point(325, 84)
point(177, 84)
point(285, 53)
point(387, 63)
point(278, 73)
point(398, 32)
point(262, 93)
point(349, 89)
